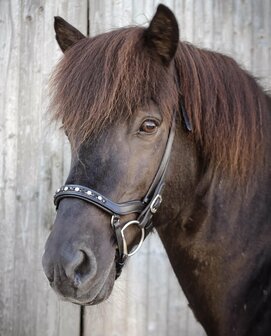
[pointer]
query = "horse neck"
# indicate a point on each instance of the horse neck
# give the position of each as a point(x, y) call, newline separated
point(218, 241)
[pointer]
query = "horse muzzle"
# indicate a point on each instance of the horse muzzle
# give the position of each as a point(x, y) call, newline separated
point(75, 277)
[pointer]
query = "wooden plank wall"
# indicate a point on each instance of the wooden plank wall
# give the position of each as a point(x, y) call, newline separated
point(31, 166)
point(34, 160)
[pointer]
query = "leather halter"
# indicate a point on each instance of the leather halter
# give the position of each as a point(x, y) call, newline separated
point(145, 208)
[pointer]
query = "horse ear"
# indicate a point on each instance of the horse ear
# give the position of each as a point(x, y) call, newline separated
point(66, 34)
point(162, 35)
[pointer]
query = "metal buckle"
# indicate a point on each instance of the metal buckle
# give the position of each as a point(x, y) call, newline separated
point(125, 248)
point(153, 206)
point(114, 220)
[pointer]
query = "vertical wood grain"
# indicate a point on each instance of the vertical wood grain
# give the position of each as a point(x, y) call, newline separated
point(31, 166)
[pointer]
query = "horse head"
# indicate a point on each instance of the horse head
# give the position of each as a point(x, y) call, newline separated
point(121, 145)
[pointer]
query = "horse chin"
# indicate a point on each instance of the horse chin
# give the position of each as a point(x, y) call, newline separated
point(100, 297)
point(103, 294)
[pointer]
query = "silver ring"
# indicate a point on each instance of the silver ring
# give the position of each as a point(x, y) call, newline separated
point(125, 248)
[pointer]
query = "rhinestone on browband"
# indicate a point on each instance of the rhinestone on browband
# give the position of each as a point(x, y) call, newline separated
point(81, 191)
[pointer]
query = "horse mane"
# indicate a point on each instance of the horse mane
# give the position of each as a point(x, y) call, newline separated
point(228, 110)
point(104, 79)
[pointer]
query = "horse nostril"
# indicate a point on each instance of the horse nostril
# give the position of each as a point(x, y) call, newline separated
point(82, 268)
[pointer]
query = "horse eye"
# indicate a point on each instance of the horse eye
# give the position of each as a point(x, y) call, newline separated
point(148, 126)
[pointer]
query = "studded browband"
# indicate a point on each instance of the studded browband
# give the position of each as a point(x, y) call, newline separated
point(145, 208)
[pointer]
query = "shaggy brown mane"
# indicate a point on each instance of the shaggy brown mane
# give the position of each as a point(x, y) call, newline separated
point(104, 79)
point(228, 109)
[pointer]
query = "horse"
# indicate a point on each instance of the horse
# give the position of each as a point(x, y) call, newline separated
point(169, 137)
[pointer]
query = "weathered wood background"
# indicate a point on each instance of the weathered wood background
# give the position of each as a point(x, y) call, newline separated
point(35, 158)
